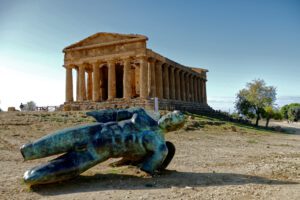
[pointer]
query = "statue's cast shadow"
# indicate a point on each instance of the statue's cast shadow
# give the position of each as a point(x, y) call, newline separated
point(168, 179)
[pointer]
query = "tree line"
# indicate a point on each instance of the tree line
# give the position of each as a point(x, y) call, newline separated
point(257, 101)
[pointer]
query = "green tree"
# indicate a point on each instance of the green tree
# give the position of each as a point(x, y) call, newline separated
point(294, 113)
point(252, 100)
point(30, 106)
point(285, 110)
point(271, 113)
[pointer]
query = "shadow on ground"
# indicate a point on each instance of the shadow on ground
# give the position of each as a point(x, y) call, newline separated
point(292, 130)
point(101, 182)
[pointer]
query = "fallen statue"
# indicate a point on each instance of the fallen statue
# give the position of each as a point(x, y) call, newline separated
point(130, 133)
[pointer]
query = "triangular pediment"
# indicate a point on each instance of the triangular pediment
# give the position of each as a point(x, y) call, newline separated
point(106, 38)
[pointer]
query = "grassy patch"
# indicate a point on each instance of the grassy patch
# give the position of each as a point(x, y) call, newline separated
point(252, 141)
point(221, 125)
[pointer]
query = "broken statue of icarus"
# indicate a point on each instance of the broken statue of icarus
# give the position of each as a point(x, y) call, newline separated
point(128, 133)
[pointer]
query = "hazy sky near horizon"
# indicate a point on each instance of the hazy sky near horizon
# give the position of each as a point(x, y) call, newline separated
point(237, 41)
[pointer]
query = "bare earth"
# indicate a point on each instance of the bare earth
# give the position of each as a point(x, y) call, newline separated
point(292, 127)
point(214, 161)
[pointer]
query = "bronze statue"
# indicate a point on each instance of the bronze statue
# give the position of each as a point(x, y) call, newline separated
point(131, 134)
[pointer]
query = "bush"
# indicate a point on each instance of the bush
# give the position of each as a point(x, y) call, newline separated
point(285, 109)
point(30, 106)
point(294, 114)
point(235, 115)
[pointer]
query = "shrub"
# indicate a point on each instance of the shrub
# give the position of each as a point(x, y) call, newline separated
point(285, 109)
point(30, 106)
point(294, 114)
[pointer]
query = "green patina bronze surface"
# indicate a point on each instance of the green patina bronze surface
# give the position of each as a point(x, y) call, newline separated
point(131, 134)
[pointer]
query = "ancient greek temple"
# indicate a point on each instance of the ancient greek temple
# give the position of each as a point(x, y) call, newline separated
point(118, 70)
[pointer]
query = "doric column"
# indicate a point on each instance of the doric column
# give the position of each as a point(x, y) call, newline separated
point(172, 83)
point(101, 82)
point(159, 79)
point(187, 86)
point(82, 92)
point(143, 78)
point(196, 89)
point(192, 89)
point(77, 84)
point(200, 89)
point(111, 80)
point(96, 82)
point(166, 81)
point(127, 93)
point(151, 78)
point(204, 89)
point(183, 89)
point(90, 85)
point(69, 84)
point(177, 84)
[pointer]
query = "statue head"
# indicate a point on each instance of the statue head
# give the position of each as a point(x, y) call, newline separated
point(171, 121)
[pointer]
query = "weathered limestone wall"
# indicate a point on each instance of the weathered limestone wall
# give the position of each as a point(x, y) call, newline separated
point(145, 103)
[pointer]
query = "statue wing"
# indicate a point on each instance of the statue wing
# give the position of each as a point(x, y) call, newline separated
point(114, 115)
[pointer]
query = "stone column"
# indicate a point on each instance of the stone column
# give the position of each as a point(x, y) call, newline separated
point(204, 91)
point(159, 79)
point(111, 80)
point(172, 83)
point(77, 84)
point(90, 85)
point(196, 89)
point(96, 82)
point(69, 84)
point(151, 78)
point(143, 78)
point(82, 92)
point(200, 89)
point(187, 85)
point(177, 84)
point(127, 79)
point(183, 89)
point(166, 81)
point(192, 88)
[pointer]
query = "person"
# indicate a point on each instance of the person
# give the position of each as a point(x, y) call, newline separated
point(21, 107)
point(128, 133)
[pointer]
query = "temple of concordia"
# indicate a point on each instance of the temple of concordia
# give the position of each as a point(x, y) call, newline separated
point(119, 71)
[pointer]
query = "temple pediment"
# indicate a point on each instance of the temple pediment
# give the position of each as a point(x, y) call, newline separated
point(106, 39)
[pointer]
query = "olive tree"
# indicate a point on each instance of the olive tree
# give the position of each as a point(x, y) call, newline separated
point(30, 106)
point(294, 114)
point(254, 98)
point(271, 112)
point(291, 111)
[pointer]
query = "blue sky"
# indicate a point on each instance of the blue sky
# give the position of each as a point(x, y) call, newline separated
point(237, 41)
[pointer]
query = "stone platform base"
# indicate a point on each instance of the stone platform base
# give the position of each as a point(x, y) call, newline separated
point(164, 104)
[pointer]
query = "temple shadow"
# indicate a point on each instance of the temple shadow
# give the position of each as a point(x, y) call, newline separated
point(101, 182)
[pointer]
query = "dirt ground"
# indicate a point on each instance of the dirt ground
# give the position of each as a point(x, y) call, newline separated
point(291, 127)
point(213, 161)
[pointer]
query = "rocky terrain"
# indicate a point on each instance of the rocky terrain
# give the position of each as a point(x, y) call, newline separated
point(214, 160)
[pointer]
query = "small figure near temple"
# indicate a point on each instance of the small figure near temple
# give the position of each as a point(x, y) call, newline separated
point(21, 107)
point(128, 133)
